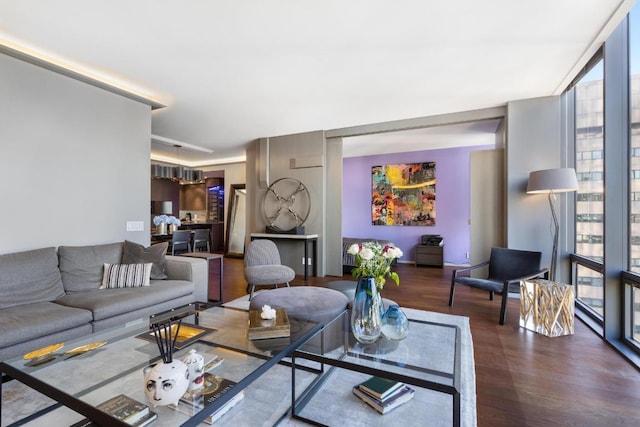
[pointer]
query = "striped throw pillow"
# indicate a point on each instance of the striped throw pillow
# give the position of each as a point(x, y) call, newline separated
point(125, 275)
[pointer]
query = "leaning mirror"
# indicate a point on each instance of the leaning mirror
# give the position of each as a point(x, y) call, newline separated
point(236, 221)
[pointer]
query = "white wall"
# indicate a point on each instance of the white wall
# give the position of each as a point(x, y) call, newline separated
point(74, 161)
point(534, 142)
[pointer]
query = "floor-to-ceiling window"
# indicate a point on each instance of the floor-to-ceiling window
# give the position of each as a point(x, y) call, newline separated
point(632, 293)
point(589, 152)
point(606, 118)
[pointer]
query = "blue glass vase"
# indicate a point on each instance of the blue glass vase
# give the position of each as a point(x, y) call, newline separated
point(366, 313)
point(395, 325)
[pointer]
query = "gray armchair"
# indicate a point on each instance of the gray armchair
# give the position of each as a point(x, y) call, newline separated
point(262, 266)
point(507, 267)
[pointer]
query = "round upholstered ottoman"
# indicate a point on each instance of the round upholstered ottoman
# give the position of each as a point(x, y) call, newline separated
point(348, 288)
point(306, 302)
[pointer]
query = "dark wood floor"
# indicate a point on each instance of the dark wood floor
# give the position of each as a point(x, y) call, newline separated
point(522, 378)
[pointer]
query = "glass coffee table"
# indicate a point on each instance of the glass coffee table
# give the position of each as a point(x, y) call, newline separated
point(81, 380)
point(428, 360)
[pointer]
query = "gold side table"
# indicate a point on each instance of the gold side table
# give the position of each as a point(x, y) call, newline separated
point(547, 307)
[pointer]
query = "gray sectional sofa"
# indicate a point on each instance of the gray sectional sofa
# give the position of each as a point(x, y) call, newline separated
point(49, 296)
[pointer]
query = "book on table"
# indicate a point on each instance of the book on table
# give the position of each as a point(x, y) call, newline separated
point(126, 409)
point(213, 363)
point(260, 328)
point(195, 400)
point(142, 422)
point(399, 397)
point(379, 387)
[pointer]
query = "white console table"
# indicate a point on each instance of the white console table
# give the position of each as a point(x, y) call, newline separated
point(305, 239)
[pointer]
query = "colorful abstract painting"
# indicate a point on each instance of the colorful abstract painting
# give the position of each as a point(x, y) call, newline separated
point(404, 194)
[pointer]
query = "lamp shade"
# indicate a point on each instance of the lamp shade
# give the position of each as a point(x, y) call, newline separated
point(560, 180)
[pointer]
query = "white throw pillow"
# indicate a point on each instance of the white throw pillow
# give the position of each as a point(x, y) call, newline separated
point(126, 275)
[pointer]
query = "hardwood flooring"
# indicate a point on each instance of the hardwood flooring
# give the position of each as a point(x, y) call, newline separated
point(522, 378)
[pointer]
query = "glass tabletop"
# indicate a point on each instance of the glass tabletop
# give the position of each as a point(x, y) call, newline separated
point(105, 364)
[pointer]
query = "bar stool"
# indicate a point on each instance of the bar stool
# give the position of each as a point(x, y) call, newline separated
point(180, 241)
point(201, 240)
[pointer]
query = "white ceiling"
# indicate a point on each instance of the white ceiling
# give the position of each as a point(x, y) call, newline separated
point(233, 71)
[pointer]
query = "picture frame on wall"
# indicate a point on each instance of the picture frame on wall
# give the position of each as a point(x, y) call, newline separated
point(404, 194)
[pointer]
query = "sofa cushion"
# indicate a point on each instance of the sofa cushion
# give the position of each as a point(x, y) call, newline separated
point(29, 277)
point(125, 275)
point(134, 253)
point(82, 266)
point(25, 323)
point(105, 303)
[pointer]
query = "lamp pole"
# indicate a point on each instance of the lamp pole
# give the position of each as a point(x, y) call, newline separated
point(554, 251)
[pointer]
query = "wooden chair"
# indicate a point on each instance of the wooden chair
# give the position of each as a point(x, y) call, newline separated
point(507, 267)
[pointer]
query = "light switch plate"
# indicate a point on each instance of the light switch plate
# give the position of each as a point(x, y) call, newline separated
point(135, 225)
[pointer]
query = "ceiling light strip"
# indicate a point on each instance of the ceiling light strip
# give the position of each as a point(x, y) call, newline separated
point(48, 65)
point(174, 142)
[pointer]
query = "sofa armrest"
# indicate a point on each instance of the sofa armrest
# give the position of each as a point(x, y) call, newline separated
point(194, 270)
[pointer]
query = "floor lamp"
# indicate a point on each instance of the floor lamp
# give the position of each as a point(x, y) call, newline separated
point(553, 181)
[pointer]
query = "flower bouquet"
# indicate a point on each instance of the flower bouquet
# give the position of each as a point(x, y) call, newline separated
point(165, 219)
point(374, 260)
point(162, 221)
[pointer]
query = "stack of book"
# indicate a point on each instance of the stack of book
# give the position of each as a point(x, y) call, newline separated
point(382, 394)
point(260, 328)
point(125, 409)
point(214, 387)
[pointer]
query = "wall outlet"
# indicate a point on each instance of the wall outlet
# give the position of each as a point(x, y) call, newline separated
point(302, 260)
point(135, 225)
point(467, 255)
point(308, 261)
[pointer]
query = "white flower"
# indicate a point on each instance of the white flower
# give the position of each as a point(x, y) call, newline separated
point(353, 249)
point(393, 252)
point(366, 254)
point(160, 219)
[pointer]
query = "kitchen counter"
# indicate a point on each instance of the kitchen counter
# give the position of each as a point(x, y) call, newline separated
point(217, 230)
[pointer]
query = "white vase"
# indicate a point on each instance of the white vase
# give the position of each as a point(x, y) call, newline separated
point(165, 383)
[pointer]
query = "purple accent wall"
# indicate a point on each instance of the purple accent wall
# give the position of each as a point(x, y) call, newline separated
point(452, 201)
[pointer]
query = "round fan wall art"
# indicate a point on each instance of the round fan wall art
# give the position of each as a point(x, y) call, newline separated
point(286, 206)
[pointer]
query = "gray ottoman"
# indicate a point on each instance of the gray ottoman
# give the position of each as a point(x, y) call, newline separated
point(306, 302)
point(348, 288)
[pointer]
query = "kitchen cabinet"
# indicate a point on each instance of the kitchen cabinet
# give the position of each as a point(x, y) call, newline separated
point(193, 197)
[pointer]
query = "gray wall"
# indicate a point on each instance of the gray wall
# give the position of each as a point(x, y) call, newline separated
point(534, 142)
point(299, 156)
point(74, 161)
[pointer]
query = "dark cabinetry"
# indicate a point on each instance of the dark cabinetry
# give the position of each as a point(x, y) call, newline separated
point(429, 255)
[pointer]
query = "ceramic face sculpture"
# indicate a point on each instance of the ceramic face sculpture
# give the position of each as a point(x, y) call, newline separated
point(165, 383)
point(195, 364)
